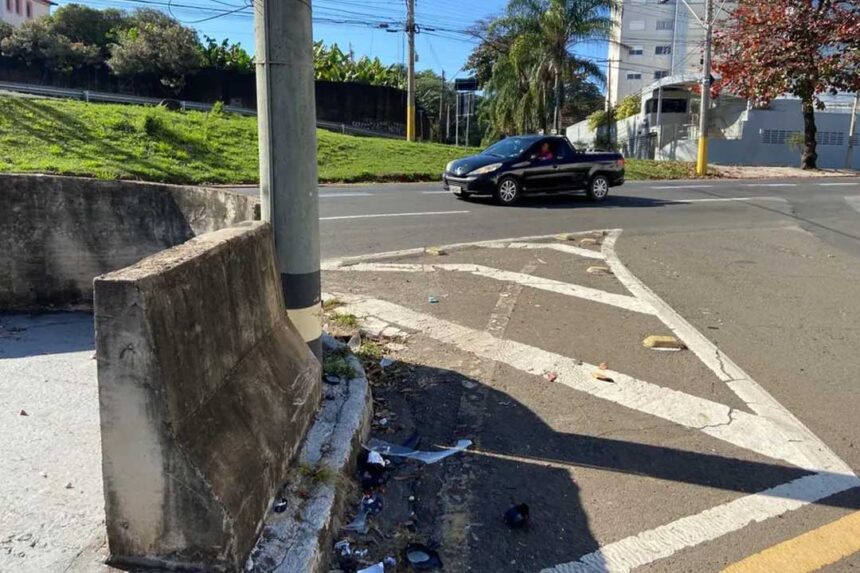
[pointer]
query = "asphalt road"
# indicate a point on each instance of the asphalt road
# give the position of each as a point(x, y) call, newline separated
point(765, 271)
point(359, 219)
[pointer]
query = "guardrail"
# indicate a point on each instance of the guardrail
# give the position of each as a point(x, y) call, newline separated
point(108, 97)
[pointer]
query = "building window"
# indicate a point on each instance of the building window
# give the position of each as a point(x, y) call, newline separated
point(775, 136)
point(9, 6)
point(634, 76)
point(637, 25)
point(29, 10)
point(637, 50)
point(659, 75)
point(663, 50)
point(18, 7)
point(830, 138)
point(665, 25)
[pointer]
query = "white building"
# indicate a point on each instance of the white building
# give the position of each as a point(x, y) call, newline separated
point(17, 12)
point(654, 39)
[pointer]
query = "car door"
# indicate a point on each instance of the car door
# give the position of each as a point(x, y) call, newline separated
point(575, 166)
point(540, 174)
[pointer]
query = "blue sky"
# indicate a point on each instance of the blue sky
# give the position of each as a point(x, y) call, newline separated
point(359, 24)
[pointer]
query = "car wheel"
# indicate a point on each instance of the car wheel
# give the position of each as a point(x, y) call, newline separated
point(598, 188)
point(508, 191)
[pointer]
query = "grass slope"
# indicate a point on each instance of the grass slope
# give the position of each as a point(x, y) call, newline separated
point(129, 142)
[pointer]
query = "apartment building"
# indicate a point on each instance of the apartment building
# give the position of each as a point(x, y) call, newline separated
point(17, 12)
point(654, 39)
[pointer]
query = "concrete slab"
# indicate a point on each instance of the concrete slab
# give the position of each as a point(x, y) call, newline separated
point(51, 493)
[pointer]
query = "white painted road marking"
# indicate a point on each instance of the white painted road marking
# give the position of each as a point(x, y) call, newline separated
point(571, 249)
point(739, 428)
point(838, 184)
point(335, 195)
point(756, 398)
point(569, 289)
point(770, 184)
point(726, 199)
point(772, 431)
point(854, 202)
point(436, 193)
point(649, 546)
point(683, 187)
point(392, 215)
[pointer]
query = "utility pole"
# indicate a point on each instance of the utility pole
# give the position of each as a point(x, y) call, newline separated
point(441, 99)
point(447, 122)
point(702, 158)
point(468, 116)
point(609, 119)
point(852, 132)
point(457, 121)
point(410, 80)
point(286, 118)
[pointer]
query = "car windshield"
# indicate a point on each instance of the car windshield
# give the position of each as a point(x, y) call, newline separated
point(509, 148)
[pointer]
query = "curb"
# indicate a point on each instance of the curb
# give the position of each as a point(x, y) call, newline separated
point(300, 538)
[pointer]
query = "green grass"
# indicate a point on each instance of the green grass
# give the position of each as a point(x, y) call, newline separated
point(646, 169)
point(129, 142)
point(345, 320)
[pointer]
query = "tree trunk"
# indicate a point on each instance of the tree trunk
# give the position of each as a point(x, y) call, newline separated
point(809, 157)
point(556, 123)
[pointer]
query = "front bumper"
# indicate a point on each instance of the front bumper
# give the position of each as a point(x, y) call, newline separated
point(477, 185)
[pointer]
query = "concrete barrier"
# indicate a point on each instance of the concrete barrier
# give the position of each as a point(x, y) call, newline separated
point(206, 391)
point(57, 233)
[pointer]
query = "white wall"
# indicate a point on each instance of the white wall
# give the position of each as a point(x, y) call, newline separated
point(15, 12)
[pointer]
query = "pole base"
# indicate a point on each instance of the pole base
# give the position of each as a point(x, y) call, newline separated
point(702, 158)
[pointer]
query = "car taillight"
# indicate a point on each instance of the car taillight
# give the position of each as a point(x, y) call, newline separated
point(621, 163)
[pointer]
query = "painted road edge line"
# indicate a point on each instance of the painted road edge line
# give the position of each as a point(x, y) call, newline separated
point(754, 396)
point(808, 552)
point(664, 541)
point(342, 217)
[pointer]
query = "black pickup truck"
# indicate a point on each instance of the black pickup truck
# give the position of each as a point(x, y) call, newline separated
point(533, 164)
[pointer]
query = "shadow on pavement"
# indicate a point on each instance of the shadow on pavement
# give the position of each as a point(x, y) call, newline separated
point(576, 201)
point(23, 335)
point(518, 458)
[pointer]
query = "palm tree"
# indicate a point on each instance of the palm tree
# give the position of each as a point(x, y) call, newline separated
point(540, 62)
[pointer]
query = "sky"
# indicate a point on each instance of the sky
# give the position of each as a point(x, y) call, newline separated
point(441, 44)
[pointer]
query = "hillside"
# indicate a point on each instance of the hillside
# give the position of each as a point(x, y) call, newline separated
point(129, 142)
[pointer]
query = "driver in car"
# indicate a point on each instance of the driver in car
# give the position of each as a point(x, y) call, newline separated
point(545, 153)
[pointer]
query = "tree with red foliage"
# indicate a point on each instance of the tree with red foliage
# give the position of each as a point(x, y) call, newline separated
point(767, 48)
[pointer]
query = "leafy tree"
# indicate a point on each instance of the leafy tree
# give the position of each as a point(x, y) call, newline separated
point(35, 41)
point(156, 45)
point(89, 26)
point(495, 42)
point(629, 106)
point(583, 98)
point(6, 30)
point(225, 56)
point(803, 47)
point(530, 77)
point(334, 65)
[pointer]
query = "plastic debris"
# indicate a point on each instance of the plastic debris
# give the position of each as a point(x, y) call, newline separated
point(354, 342)
point(280, 506)
point(370, 505)
point(43, 474)
point(332, 379)
point(565, 237)
point(387, 449)
point(390, 561)
point(599, 270)
point(432, 299)
point(599, 375)
point(551, 376)
point(421, 557)
point(603, 366)
point(361, 553)
point(517, 516)
point(663, 343)
point(70, 486)
point(383, 422)
point(588, 242)
point(385, 362)
point(435, 251)
point(343, 548)
point(23, 413)
point(378, 568)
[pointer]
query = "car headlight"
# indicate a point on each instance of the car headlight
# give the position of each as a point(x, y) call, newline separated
point(448, 168)
point(486, 169)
